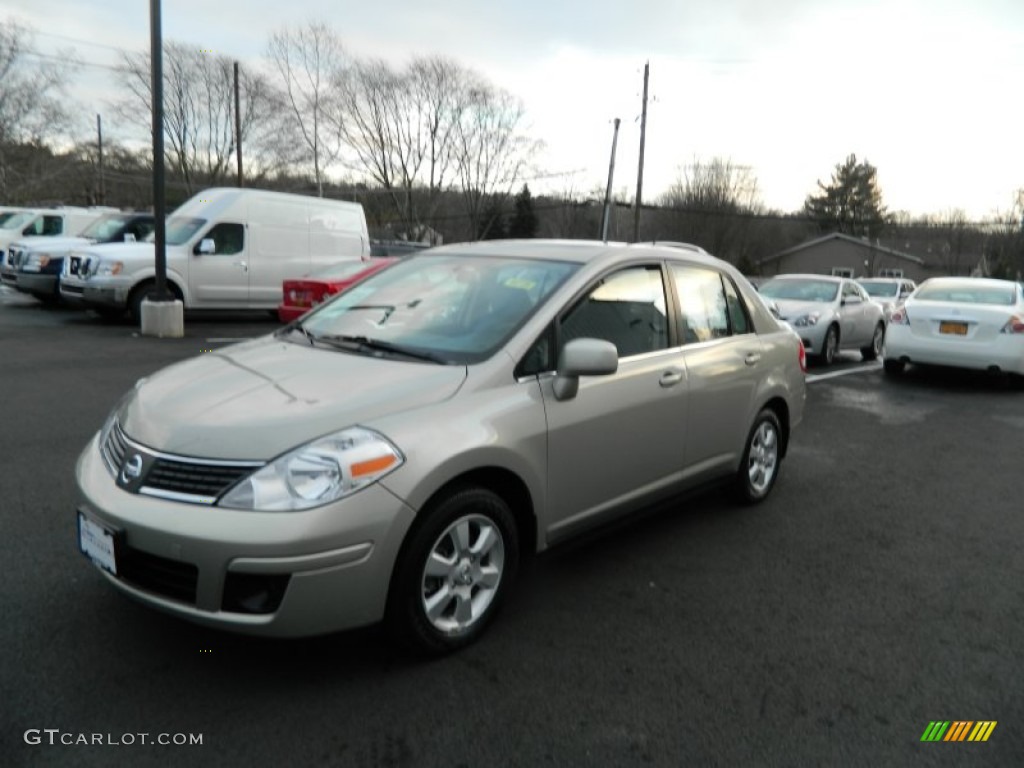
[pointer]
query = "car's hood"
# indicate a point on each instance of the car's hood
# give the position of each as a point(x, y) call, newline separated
point(789, 308)
point(259, 399)
point(120, 251)
point(43, 243)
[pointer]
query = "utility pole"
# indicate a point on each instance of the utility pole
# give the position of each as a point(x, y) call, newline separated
point(101, 192)
point(238, 128)
point(159, 199)
point(640, 171)
point(608, 191)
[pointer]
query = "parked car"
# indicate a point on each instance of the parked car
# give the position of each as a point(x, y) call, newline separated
point(302, 294)
point(962, 322)
point(890, 292)
point(392, 455)
point(43, 222)
point(829, 314)
point(227, 248)
point(36, 263)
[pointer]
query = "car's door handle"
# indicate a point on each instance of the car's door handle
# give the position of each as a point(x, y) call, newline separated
point(752, 358)
point(670, 378)
point(243, 265)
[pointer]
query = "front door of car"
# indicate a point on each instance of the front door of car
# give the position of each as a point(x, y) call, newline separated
point(219, 276)
point(621, 440)
point(853, 323)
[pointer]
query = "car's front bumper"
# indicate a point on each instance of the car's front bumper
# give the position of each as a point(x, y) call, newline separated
point(813, 336)
point(38, 283)
point(334, 562)
point(1004, 352)
point(91, 293)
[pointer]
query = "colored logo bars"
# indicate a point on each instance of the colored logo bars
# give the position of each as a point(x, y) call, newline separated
point(958, 730)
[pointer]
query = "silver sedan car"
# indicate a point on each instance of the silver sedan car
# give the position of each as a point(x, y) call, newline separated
point(829, 313)
point(394, 454)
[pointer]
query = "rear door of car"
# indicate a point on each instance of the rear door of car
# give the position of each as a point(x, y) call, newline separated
point(621, 440)
point(724, 367)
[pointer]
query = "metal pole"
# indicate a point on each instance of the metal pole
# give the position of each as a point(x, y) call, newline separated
point(101, 192)
point(608, 191)
point(159, 202)
point(640, 172)
point(238, 127)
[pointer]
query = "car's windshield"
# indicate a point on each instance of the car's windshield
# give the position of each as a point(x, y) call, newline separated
point(880, 290)
point(456, 308)
point(18, 219)
point(179, 229)
point(800, 290)
point(968, 292)
point(105, 227)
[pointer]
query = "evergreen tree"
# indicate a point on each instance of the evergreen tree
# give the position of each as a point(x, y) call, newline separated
point(524, 220)
point(851, 204)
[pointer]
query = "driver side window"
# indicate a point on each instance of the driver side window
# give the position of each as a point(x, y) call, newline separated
point(228, 239)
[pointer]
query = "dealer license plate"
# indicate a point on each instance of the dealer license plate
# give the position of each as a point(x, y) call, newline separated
point(97, 543)
point(957, 329)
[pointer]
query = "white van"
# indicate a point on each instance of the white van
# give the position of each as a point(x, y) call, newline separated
point(227, 248)
point(44, 222)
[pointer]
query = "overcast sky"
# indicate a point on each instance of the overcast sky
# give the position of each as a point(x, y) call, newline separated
point(927, 91)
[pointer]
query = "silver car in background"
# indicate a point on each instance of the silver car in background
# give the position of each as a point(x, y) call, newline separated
point(394, 453)
point(889, 292)
point(829, 314)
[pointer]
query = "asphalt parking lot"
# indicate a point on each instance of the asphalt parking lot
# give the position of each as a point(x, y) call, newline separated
point(878, 590)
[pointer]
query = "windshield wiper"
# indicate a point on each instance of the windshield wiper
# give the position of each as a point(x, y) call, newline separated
point(363, 342)
point(297, 326)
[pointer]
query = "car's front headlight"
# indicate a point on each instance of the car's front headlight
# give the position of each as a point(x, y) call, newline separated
point(109, 268)
point(811, 318)
point(319, 472)
point(35, 262)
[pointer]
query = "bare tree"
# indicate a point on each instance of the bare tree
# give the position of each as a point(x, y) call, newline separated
point(309, 63)
point(715, 203)
point(491, 151)
point(33, 106)
point(400, 129)
point(198, 109)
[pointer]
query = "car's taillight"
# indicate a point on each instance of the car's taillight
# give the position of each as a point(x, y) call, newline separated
point(899, 317)
point(1013, 325)
point(802, 354)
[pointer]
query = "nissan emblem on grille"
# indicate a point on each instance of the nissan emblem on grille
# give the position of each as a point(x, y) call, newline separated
point(131, 471)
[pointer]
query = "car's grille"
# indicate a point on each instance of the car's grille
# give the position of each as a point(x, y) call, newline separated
point(181, 478)
point(160, 575)
point(199, 479)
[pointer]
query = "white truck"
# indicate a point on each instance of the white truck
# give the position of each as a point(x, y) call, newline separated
point(43, 222)
point(227, 248)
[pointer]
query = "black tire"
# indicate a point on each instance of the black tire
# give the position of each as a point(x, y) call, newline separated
point(874, 349)
point(829, 346)
point(140, 292)
point(893, 367)
point(762, 458)
point(473, 581)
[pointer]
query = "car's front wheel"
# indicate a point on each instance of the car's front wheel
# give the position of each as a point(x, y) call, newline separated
point(873, 350)
point(454, 571)
point(829, 346)
point(760, 466)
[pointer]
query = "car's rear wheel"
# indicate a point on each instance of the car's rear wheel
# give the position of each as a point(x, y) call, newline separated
point(760, 466)
point(872, 351)
point(454, 571)
point(829, 346)
point(893, 367)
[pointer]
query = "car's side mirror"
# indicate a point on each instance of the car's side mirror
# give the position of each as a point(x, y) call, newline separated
point(206, 246)
point(583, 357)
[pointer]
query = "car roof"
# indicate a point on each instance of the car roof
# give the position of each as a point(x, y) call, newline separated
point(808, 276)
point(580, 251)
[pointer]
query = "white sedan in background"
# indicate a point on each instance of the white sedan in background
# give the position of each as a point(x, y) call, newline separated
point(963, 322)
point(828, 313)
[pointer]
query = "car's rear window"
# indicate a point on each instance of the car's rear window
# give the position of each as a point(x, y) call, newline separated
point(968, 293)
